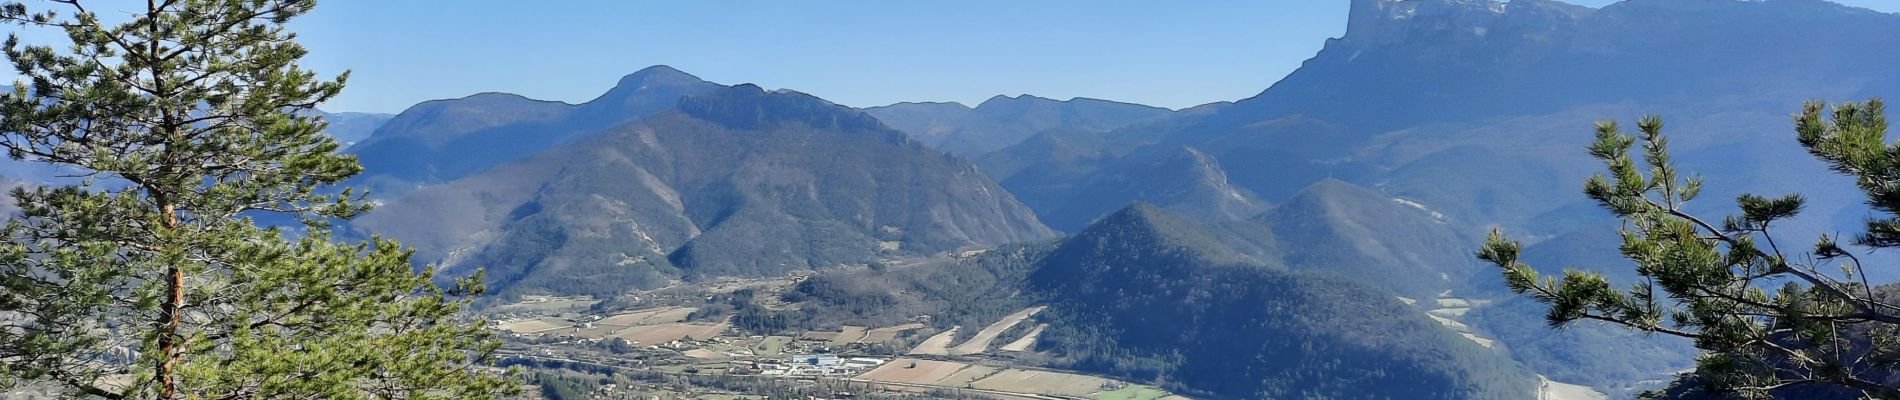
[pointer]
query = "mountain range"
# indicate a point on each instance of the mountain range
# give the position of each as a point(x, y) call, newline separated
point(1417, 94)
point(1211, 311)
point(737, 181)
point(1002, 121)
point(442, 140)
point(352, 127)
point(1380, 161)
point(1323, 227)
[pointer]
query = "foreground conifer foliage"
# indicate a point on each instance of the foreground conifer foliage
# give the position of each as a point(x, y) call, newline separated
point(150, 278)
point(1771, 317)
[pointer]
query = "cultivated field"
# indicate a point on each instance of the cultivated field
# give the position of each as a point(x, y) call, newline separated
point(662, 333)
point(532, 325)
point(951, 374)
point(1056, 383)
point(670, 315)
point(596, 332)
point(1134, 392)
point(910, 370)
point(847, 334)
point(703, 354)
point(1028, 340)
point(649, 326)
point(772, 346)
point(938, 345)
point(981, 341)
point(542, 304)
point(886, 334)
point(964, 377)
point(648, 316)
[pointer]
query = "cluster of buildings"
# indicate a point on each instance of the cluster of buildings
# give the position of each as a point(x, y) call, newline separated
point(810, 365)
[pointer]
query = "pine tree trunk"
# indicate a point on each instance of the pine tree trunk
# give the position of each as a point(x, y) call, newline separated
point(168, 317)
point(170, 313)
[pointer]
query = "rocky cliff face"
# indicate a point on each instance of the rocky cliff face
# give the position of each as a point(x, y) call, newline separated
point(1378, 23)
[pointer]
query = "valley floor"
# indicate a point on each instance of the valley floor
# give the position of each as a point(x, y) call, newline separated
point(657, 339)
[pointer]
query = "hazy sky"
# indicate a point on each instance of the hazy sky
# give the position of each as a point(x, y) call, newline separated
point(855, 52)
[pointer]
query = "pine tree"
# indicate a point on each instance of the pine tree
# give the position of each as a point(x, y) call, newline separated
point(1768, 315)
point(150, 279)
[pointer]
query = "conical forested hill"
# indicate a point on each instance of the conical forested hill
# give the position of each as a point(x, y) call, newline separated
point(1147, 295)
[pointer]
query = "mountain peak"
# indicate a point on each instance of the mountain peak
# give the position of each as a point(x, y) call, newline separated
point(654, 79)
point(475, 107)
point(1003, 101)
point(1141, 212)
point(658, 74)
point(490, 97)
point(943, 106)
point(646, 91)
point(1144, 224)
point(1335, 198)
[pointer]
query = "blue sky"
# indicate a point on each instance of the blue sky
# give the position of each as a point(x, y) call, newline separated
point(854, 52)
point(858, 53)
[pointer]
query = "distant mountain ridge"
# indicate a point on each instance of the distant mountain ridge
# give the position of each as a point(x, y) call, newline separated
point(347, 127)
point(442, 140)
point(354, 127)
point(1478, 109)
point(1184, 180)
point(734, 182)
point(1002, 120)
point(1371, 169)
point(1479, 112)
point(1413, 78)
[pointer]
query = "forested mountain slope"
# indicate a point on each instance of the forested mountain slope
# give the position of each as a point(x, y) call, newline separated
point(737, 182)
point(442, 140)
point(1456, 116)
point(1150, 296)
point(1146, 294)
